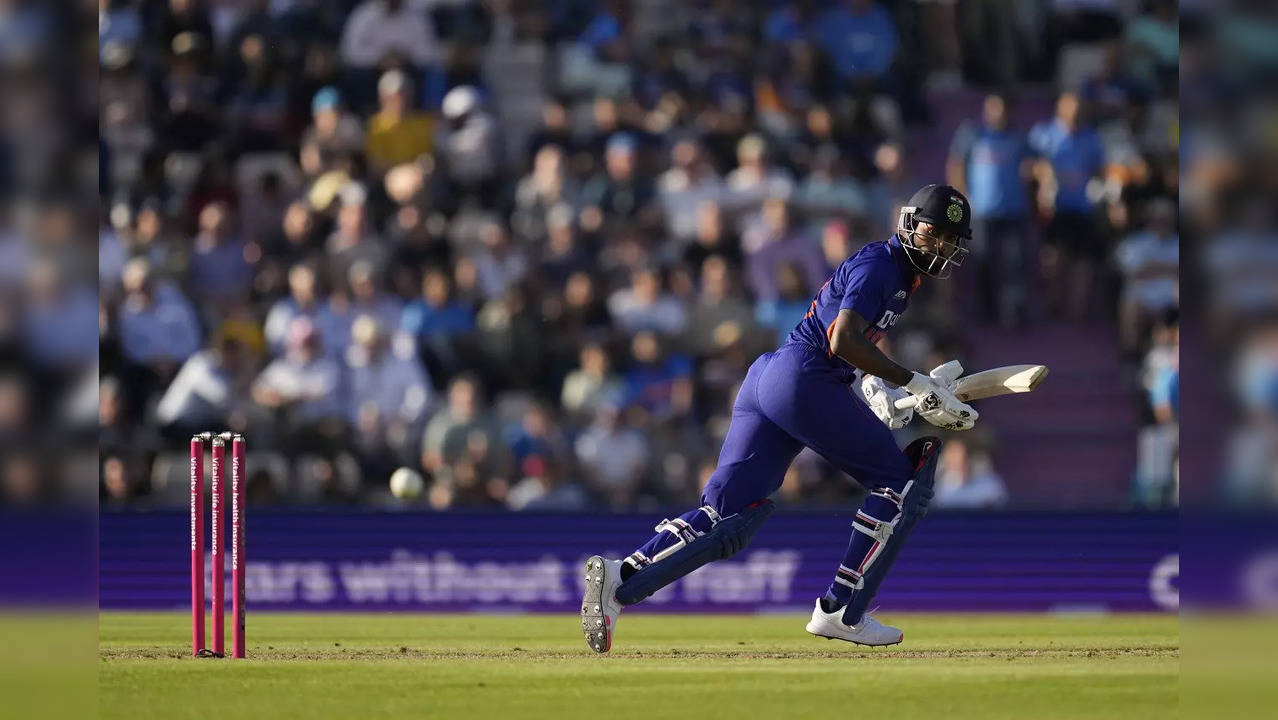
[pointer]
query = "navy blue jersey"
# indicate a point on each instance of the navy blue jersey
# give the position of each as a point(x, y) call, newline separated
point(876, 282)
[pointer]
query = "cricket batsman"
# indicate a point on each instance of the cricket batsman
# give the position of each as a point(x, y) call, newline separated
point(803, 395)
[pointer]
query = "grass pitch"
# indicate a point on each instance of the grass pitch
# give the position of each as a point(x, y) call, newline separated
point(740, 666)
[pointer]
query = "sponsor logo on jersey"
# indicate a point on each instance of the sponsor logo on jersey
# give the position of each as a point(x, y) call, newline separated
point(888, 320)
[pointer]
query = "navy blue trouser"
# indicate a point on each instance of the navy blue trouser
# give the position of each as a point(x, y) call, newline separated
point(793, 397)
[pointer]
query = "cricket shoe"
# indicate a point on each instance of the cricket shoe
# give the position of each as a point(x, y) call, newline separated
point(599, 606)
point(867, 632)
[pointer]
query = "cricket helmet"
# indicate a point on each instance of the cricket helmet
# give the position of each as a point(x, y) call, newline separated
point(950, 217)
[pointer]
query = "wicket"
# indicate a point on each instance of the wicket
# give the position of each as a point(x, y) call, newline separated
point(218, 543)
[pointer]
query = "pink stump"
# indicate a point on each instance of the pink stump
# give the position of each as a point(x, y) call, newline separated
point(197, 545)
point(237, 544)
point(219, 547)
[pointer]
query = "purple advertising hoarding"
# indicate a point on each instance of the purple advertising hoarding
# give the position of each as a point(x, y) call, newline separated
point(531, 562)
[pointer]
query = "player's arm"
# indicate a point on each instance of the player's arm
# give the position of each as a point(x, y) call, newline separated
point(848, 341)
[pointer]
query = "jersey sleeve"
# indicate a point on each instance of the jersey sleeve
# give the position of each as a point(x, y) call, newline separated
point(866, 286)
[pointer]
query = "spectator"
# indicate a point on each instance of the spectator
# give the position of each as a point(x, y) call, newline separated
point(583, 309)
point(297, 239)
point(211, 387)
point(1153, 39)
point(657, 382)
point(179, 17)
point(470, 152)
point(254, 18)
point(466, 282)
point(890, 189)
point(1241, 262)
point(753, 182)
point(302, 390)
point(353, 239)
point(1072, 158)
point(836, 245)
point(619, 191)
point(861, 40)
point(450, 432)
point(363, 297)
point(257, 112)
point(554, 130)
point(302, 301)
point(563, 255)
point(499, 263)
point(436, 314)
point(511, 339)
point(690, 183)
point(20, 477)
point(267, 200)
point(415, 234)
point(124, 447)
point(112, 254)
point(990, 163)
point(591, 385)
point(152, 237)
point(571, 318)
point(334, 131)
point(605, 124)
point(158, 329)
point(544, 488)
point(711, 237)
point(482, 474)
point(1253, 452)
point(1158, 446)
point(535, 442)
point(541, 192)
point(59, 326)
point(719, 308)
point(383, 371)
point(1150, 263)
point(115, 433)
point(829, 189)
point(397, 134)
point(390, 393)
point(194, 113)
point(378, 30)
point(1111, 93)
point(965, 479)
point(643, 305)
point(777, 240)
point(613, 458)
point(213, 184)
point(783, 312)
point(220, 272)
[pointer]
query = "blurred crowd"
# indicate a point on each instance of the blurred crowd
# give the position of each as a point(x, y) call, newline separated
point(528, 249)
point(48, 307)
point(1230, 157)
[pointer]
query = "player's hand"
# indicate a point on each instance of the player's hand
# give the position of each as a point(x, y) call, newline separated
point(882, 398)
point(947, 374)
point(935, 403)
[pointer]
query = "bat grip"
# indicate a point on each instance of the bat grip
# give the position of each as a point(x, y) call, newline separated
point(906, 402)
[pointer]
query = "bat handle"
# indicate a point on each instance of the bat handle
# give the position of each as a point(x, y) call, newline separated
point(905, 402)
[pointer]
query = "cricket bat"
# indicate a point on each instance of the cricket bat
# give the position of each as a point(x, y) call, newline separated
point(992, 383)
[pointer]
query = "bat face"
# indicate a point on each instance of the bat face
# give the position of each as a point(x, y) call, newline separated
point(1000, 381)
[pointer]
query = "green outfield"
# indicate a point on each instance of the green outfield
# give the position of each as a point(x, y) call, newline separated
point(741, 666)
